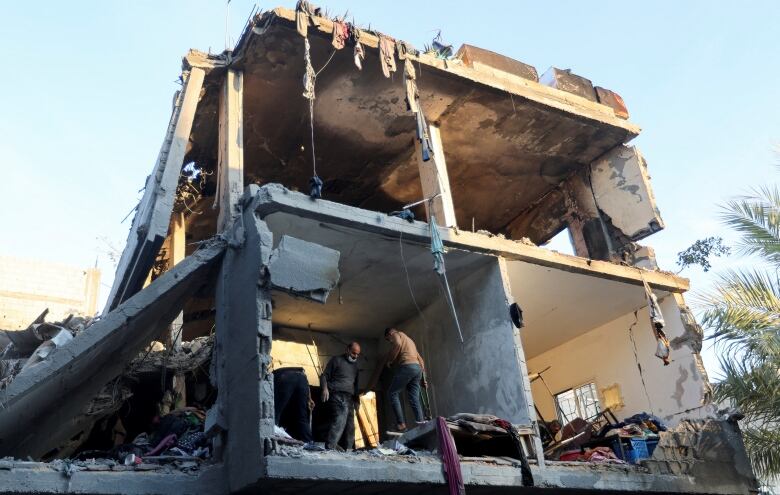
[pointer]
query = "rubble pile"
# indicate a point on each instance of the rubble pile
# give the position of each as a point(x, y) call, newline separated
point(23, 349)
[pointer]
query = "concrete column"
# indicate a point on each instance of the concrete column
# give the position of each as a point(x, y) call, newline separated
point(434, 179)
point(521, 362)
point(231, 149)
point(242, 351)
point(151, 221)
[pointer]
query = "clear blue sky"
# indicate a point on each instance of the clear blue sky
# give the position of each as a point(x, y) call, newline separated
point(86, 90)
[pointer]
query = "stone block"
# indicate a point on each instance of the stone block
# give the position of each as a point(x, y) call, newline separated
point(613, 100)
point(564, 80)
point(479, 59)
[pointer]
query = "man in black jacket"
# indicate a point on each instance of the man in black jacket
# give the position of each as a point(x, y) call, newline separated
point(339, 384)
point(291, 402)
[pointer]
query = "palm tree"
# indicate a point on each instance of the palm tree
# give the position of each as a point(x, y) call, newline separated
point(743, 312)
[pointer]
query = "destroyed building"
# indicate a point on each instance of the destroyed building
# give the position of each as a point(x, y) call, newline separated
point(321, 182)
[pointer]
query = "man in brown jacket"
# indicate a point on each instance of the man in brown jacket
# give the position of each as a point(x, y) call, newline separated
point(408, 373)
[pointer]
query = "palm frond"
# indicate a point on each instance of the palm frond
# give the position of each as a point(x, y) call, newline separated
point(753, 388)
point(763, 447)
point(757, 218)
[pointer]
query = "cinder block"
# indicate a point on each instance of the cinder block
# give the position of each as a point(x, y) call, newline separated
point(564, 80)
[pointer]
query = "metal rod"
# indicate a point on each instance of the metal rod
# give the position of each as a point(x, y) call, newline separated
point(421, 201)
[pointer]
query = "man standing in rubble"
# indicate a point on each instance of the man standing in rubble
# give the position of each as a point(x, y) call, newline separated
point(408, 373)
point(339, 384)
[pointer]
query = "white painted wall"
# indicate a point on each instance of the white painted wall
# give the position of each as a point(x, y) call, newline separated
point(27, 287)
point(605, 356)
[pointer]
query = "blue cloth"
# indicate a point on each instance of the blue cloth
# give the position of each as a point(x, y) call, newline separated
point(406, 376)
point(437, 246)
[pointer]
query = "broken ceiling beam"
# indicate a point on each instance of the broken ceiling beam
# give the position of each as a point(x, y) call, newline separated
point(42, 407)
point(153, 215)
point(435, 181)
point(304, 269)
point(275, 198)
point(621, 188)
point(230, 168)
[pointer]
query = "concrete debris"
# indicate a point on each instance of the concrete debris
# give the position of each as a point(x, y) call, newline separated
point(70, 379)
point(304, 269)
point(171, 390)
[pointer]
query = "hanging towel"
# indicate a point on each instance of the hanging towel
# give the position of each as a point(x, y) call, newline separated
point(340, 34)
point(387, 54)
point(303, 14)
point(449, 459)
point(657, 323)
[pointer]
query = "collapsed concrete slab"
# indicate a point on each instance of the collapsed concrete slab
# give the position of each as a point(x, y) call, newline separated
point(153, 213)
point(74, 373)
point(304, 268)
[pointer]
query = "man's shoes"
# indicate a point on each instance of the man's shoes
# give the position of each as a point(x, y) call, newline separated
point(314, 446)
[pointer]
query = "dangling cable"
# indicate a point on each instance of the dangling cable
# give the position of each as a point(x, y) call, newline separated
point(309, 81)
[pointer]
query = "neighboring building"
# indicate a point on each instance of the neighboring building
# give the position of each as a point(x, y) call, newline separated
point(28, 287)
point(504, 161)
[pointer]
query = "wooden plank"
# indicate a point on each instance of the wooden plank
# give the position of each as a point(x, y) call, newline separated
point(177, 252)
point(435, 180)
point(150, 224)
point(231, 149)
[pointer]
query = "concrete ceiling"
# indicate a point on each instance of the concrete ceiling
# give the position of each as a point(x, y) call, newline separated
point(373, 292)
point(503, 152)
point(559, 305)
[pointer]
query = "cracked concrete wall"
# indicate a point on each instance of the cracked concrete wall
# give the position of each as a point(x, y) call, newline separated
point(711, 452)
point(605, 355)
point(481, 375)
point(622, 188)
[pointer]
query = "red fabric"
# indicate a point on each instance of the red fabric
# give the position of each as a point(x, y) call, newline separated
point(165, 444)
point(449, 458)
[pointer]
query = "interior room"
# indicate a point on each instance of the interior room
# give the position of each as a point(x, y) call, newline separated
point(590, 348)
point(390, 282)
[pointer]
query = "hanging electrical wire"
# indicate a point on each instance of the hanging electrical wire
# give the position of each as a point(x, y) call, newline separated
point(309, 82)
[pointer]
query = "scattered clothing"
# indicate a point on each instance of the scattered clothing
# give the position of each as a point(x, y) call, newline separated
point(408, 377)
point(310, 75)
point(304, 13)
point(291, 402)
point(315, 187)
point(359, 55)
point(525, 468)
point(657, 323)
point(387, 54)
point(410, 82)
point(340, 34)
point(404, 49)
point(449, 458)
